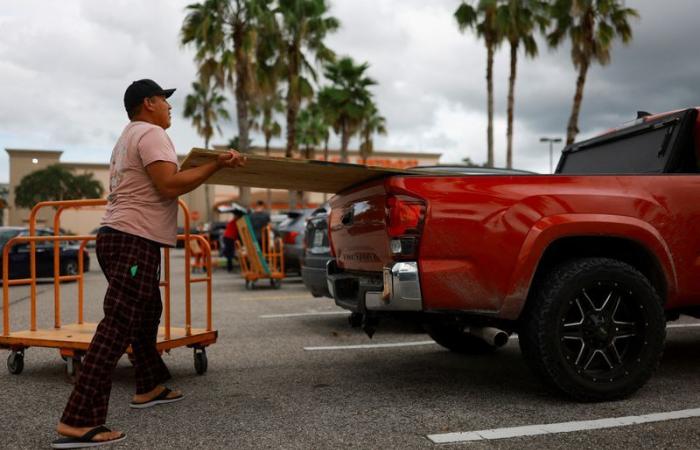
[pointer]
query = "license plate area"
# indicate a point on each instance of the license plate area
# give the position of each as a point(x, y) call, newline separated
point(318, 238)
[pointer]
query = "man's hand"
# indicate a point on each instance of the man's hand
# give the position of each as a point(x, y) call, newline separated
point(230, 159)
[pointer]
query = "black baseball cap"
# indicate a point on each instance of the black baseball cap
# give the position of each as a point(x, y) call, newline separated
point(138, 90)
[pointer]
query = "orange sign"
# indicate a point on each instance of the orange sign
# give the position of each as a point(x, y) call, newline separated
point(194, 215)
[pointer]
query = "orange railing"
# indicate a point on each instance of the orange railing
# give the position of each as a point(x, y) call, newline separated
point(58, 278)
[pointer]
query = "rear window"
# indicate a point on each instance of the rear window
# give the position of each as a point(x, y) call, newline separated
point(657, 146)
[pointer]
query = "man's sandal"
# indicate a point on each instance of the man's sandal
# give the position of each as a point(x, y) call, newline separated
point(86, 440)
point(159, 399)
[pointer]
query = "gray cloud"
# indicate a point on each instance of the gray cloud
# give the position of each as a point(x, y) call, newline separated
point(64, 67)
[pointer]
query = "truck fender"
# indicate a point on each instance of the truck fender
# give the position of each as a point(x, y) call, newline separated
point(551, 228)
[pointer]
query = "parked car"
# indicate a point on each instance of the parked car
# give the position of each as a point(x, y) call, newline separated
point(586, 265)
point(317, 252)
point(291, 230)
point(19, 254)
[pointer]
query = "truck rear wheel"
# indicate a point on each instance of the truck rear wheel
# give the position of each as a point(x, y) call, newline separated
point(456, 339)
point(595, 330)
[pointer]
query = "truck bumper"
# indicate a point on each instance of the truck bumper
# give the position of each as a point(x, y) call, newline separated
point(397, 290)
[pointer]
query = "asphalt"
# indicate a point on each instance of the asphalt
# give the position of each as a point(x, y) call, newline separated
point(263, 390)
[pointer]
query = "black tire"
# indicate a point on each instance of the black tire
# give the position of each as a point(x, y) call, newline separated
point(69, 268)
point(249, 285)
point(200, 361)
point(73, 368)
point(276, 283)
point(595, 329)
point(454, 338)
point(15, 363)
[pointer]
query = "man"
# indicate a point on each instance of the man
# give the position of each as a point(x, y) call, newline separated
point(141, 217)
point(230, 237)
point(259, 218)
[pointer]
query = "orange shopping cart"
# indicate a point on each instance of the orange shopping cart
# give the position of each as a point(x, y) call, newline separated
point(72, 340)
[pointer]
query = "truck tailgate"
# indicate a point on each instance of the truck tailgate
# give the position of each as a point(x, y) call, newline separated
point(358, 228)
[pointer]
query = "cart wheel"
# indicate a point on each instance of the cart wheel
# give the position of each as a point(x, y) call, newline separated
point(73, 368)
point(200, 361)
point(15, 362)
point(276, 283)
point(249, 285)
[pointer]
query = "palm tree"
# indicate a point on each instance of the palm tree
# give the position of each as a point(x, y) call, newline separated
point(592, 26)
point(311, 129)
point(205, 107)
point(223, 33)
point(482, 18)
point(517, 20)
point(303, 26)
point(372, 123)
point(347, 98)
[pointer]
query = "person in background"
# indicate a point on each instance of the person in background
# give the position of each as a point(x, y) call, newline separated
point(230, 237)
point(259, 218)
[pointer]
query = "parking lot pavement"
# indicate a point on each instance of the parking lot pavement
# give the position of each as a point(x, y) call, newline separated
point(288, 372)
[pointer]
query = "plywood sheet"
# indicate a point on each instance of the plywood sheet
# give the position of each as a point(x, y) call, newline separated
point(286, 173)
point(253, 252)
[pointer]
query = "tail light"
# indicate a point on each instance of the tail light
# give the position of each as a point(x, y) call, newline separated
point(404, 219)
point(405, 216)
point(291, 237)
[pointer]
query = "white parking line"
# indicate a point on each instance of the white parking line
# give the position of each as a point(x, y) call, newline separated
point(563, 427)
point(320, 313)
point(354, 347)
point(276, 297)
point(410, 344)
point(683, 325)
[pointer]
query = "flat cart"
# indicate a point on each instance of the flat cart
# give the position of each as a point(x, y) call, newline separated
point(72, 340)
point(259, 263)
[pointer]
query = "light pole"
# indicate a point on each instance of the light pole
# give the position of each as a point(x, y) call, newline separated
point(551, 142)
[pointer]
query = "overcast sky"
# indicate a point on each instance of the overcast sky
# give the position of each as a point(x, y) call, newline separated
point(64, 67)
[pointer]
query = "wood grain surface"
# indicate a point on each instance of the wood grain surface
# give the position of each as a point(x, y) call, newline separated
point(287, 173)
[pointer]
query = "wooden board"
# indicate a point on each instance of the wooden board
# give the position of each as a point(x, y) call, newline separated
point(287, 173)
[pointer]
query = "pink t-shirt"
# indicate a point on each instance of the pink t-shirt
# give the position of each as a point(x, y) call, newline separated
point(135, 206)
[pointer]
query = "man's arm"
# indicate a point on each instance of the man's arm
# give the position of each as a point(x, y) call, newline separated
point(171, 183)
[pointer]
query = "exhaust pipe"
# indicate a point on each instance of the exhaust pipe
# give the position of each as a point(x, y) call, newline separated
point(492, 336)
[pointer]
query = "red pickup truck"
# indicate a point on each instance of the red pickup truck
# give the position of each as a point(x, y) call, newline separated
point(586, 265)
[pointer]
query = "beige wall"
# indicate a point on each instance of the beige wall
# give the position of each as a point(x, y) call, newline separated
point(85, 220)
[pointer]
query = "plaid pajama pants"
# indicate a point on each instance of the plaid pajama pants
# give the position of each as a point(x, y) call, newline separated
point(132, 309)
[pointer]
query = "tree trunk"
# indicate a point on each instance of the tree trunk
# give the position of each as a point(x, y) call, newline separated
point(511, 103)
point(207, 203)
point(325, 158)
point(292, 108)
point(292, 100)
point(572, 128)
point(489, 101)
point(267, 153)
point(241, 91)
point(344, 142)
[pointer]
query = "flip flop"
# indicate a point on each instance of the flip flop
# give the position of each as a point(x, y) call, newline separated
point(159, 399)
point(85, 440)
